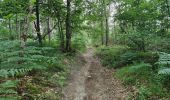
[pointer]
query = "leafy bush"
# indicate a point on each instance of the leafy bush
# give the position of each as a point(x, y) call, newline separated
point(79, 43)
point(165, 78)
point(14, 60)
point(147, 82)
point(143, 93)
point(147, 57)
point(159, 43)
point(138, 40)
point(118, 56)
point(8, 90)
point(110, 56)
point(4, 32)
point(164, 59)
point(24, 64)
point(164, 69)
point(135, 74)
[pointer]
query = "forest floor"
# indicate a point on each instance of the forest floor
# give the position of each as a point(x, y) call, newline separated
point(92, 81)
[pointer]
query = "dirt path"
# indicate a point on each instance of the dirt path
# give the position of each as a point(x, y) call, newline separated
point(93, 82)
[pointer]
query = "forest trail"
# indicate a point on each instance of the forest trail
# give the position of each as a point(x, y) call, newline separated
point(93, 82)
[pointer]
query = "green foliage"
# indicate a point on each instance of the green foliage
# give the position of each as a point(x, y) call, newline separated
point(20, 63)
point(119, 57)
point(33, 88)
point(9, 88)
point(79, 42)
point(111, 55)
point(13, 72)
point(142, 15)
point(9, 98)
point(150, 85)
point(164, 69)
point(147, 81)
point(135, 74)
point(130, 57)
point(15, 61)
point(138, 40)
point(161, 44)
point(143, 93)
point(164, 59)
point(3, 32)
point(59, 78)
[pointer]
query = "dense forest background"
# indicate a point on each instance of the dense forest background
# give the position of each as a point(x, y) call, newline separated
point(39, 40)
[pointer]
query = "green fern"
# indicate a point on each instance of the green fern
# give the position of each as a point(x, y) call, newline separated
point(8, 87)
point(164, 59)
point(8, 90)
point(13, 72)
point(4, 73)
point(32, 58)
point(164, 63)
point(16, 62)
point(9, 98)
point(9, 84)
point(165, 71)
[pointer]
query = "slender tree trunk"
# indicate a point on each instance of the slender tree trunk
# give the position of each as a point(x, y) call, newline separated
point(102, 24)
point(168, 10)
point(168, 7)
point(60, 29)
point(16, 22)
point(68, 27)
point(38, 23)
point(102, 31)
point(48, 24)
point(107, 32)
point(48, 29)
point(106, 23)
point(10, 28)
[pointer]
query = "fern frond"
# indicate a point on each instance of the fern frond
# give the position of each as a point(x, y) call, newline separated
point(164, 59)
point(164, 71)
point(9, 98)
point(12, 72)
point(9, 84)
point(7, 91)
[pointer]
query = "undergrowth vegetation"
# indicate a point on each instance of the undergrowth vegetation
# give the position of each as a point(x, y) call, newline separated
point(111, 55)
point(32, 72)
point(147, 71)
point(39, 39)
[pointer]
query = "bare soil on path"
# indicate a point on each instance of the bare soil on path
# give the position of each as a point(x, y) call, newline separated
point(92, 81)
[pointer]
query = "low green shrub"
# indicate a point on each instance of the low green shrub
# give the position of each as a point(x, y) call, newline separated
point(147, 81)
point(119, 56)
point(36, 68)
point(135, 74)
point(79, 43)
point(130, 57)
point(164, 69)
point(110, 56)
point(165, 80)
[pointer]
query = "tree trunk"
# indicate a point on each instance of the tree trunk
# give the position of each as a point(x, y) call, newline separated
point(168, 10)
point(60, 30)
point(10, 28)
point(48, 29)
point(102, 24)
point(102, 31)
point(68, 27)
point(106, 23)
point(48, 24)
point(38, 23)
point(16, 22)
